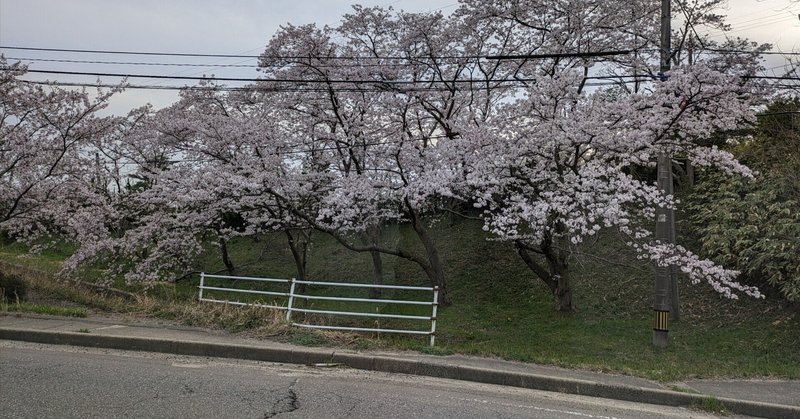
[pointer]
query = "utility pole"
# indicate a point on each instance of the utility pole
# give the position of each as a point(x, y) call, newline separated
point(665, 218)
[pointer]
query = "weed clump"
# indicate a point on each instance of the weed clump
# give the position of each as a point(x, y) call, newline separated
point(12, 288)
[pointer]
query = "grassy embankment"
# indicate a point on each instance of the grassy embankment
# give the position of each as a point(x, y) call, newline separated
point(499, 308)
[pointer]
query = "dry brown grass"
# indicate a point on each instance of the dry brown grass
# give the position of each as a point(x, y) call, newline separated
point(45, 288)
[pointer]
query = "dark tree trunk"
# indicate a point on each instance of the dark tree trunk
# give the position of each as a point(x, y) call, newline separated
point(372, 238)
point(563, 289)
point(298, 254)
point(434, 266)
point(556, 276)
point(429, 264)
point(689, 174)
point(223, 247)
point(377, 274)
point(299, 250)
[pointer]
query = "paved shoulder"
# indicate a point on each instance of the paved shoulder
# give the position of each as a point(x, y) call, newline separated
point(778, 399)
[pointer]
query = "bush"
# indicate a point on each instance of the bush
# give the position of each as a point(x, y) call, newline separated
point(752, 226)
point(12, 288)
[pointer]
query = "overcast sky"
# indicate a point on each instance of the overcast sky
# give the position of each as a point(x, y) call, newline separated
point(240, 27)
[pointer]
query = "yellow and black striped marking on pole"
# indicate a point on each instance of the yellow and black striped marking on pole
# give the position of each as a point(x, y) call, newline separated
point(661, 321)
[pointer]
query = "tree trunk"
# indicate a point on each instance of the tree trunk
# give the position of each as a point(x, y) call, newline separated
point(556, 276)
point(689, 174)
point(434, 266)
point(377, 274)
point(299, 253)
point(430, 264)
point(563, 290)
point(559, 271)
point(372, 237)
point(223, 246)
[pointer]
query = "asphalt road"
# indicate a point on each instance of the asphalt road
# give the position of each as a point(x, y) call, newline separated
point(62, 381)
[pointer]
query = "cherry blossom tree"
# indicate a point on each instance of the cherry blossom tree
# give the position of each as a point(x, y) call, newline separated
point(553, 166)
point(203, 167)
point(48, 136)
point(381, 96)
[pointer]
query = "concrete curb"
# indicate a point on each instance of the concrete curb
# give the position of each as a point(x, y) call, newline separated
point(309, 356)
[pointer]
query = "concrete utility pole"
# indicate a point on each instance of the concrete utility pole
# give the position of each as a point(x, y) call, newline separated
point(665, 218)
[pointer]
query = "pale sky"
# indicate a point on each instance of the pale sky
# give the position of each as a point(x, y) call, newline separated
point(241, 27)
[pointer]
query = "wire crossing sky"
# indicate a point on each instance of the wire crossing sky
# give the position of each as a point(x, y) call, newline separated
point(197, 38)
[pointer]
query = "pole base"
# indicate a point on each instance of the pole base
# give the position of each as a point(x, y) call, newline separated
point(660, 338)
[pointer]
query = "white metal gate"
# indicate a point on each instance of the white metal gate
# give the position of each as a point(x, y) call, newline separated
point(293, 295)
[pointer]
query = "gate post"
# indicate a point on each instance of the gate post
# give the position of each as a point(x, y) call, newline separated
point(291, 301)
point(433, 314)
point(202, 283)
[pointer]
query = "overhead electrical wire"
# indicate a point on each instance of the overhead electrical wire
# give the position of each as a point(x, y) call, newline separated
point(744, 51)
point(340, 81)
point(55, 60)
point(282, 57)
point(359, 64)
point(352, 58)
point(794, 78)
point(748, 27)
point(748, 19)
point(255, 88)
point(302, 84)
point(299, 81)
point(209, 65)
point(160, 54)
point(139, 63)
point(776, 19)
point(250, 88)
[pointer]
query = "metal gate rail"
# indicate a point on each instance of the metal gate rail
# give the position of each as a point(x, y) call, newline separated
point(293, 294)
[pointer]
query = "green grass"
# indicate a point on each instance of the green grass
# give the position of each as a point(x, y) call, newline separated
point(45, 309)
point(712, 405)
point(499, 308)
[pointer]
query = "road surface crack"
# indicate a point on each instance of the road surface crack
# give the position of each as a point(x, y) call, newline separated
point(285, 404)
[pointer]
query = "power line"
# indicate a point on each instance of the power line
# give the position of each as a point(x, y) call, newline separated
point(752, 26)
point(180, 54)
point(354, 58)
point(776, 19)
point(143, 76)
point(256, 88)
point(276, 89)
point(160, 54)
point(303, 81)
point(748, 19)
point(771, 77)
point(53, 60)
point(163, 64)
point(560, 55)
point(745, 51)
point(342, 81)
point(183, 54)
point(375, 86)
